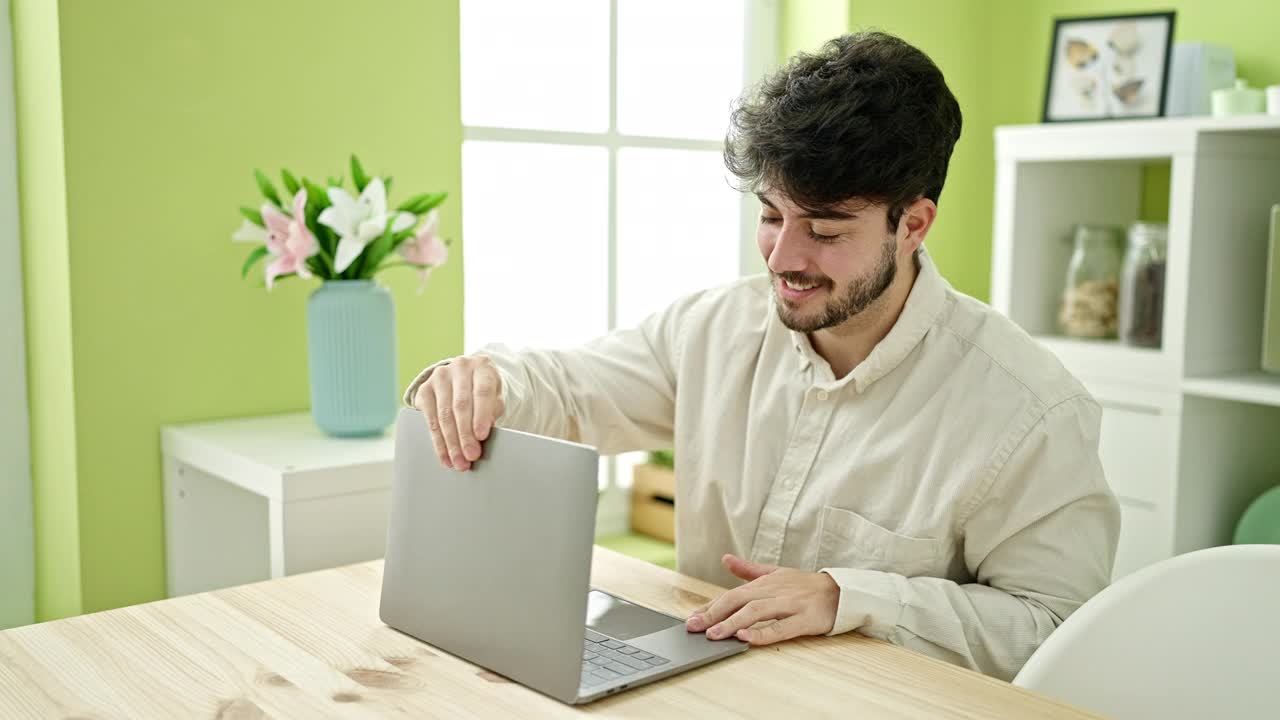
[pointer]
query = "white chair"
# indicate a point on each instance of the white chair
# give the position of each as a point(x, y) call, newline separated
point(1195, 636)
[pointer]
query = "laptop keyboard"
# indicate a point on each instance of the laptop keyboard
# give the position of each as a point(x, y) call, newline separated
point(605, 659)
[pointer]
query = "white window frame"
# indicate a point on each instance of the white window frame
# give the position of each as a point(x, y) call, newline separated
point(17, 542)
point(761, 51)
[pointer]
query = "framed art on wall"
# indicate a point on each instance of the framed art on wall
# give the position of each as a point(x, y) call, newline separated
point(1114, 66)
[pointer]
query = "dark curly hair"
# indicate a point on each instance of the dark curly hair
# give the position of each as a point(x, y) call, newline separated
point(867, 116)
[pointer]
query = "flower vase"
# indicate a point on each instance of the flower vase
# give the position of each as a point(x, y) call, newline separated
point(351, 346)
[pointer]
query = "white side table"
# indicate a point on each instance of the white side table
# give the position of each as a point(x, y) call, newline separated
point(257, 498)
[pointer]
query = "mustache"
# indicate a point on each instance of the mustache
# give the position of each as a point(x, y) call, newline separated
point(801, 279)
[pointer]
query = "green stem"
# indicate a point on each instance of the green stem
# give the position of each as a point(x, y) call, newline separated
point(328, 259)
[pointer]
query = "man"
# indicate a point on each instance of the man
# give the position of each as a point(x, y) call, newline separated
point(865, 447)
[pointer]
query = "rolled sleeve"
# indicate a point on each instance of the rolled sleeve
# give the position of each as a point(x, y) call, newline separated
point(869, 601)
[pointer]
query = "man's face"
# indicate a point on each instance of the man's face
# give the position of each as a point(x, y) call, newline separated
point(829, 266)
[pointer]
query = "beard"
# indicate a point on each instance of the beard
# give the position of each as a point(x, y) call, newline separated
point(858, 296)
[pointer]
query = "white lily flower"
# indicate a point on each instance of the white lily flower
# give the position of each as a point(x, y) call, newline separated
point(358, 221)
point(250, 232)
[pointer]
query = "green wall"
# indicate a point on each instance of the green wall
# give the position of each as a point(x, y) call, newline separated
point(806, 24)
point(1246, 26)
point(137, 312)
point(1020, 29)
point(952, 33)
point(994, 54)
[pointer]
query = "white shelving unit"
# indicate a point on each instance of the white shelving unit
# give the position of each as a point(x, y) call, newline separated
point(1189, 429)
point(247, 499)
point(1250, 387)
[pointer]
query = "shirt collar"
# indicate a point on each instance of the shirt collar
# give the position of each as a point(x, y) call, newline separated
point(924, 303)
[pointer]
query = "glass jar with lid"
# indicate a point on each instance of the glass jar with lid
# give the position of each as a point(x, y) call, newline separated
point(1142, 285)
point(1089, 301)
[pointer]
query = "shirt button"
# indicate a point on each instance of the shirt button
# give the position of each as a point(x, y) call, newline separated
point(822, 395)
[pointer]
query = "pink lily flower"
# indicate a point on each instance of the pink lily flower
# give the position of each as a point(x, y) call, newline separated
point(425, 249)
point(288, 239)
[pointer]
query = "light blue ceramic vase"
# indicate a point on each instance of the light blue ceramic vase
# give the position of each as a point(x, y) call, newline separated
point(351, 344)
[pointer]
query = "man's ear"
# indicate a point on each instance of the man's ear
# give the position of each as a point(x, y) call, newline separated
point(917, 219)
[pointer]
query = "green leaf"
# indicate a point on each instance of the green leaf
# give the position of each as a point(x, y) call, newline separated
point(253, 258)
point(423, 203)
point(315, 195)
point(325, 238)
point(334, 182)
point(268, 190)
point(253, 216)
point(386, 184)
point(398, 240)
point(290, 182)
point(409, 204)
point(263, 283)
point(665, 458)
point(432, 202)
point(357, 174)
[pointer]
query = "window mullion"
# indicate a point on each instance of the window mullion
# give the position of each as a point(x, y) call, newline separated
point(558, 137)
point(761, 50)
point(613, 143)
point(613, 140)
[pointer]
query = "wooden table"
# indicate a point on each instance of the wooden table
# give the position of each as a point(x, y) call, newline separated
point(312, 646)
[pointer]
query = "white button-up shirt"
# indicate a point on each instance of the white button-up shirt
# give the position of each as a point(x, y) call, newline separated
point(950, 484)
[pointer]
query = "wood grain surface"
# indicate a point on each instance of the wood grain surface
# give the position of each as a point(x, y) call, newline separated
point(311, 646)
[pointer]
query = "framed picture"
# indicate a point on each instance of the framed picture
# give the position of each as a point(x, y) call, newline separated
point(1114, 66)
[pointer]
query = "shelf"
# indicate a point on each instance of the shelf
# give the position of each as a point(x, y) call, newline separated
point(1082, 345)
point(1122, 139)
point(1257, 387)
point(1189, 448)
point(1110, 359)
point(1198, 123)
point(282, 457)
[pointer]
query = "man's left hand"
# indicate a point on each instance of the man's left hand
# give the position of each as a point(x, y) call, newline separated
point(798, 603)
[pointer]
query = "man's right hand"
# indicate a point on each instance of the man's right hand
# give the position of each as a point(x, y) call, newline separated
point(461, 401)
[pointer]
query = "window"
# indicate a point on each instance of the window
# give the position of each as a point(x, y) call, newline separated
point(593, 188)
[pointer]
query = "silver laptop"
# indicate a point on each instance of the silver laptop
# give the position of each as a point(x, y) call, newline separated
point(494, 565)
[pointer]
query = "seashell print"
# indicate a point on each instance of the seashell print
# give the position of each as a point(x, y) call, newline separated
point(1084, 85)
point(1124, 38)
point(1128, 92)
point(1080, 53)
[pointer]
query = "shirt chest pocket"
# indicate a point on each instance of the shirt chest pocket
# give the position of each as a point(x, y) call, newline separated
point(848, 540)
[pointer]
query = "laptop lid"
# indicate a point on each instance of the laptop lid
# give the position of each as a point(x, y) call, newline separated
point(494, 564)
